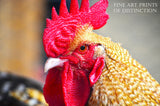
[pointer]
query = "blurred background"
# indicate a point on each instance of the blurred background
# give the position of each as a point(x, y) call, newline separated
point(22, 23)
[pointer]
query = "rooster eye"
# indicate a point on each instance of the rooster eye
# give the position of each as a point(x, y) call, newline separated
point(83, 48)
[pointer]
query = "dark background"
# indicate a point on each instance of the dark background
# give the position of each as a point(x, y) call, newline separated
point(22, 24)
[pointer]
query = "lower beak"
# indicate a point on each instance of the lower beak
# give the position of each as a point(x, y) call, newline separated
point(53, 62)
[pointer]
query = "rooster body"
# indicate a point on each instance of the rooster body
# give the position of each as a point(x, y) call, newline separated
point(88, 69)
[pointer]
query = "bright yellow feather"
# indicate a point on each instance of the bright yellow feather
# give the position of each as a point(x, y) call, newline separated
point(124, 81)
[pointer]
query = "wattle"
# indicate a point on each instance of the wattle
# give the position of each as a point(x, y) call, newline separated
point(53, 88)
point(67, 87)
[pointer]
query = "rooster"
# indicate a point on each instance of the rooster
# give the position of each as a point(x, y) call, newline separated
point(85, 68)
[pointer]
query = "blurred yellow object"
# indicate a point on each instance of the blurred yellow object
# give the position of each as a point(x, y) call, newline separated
point(36, 94)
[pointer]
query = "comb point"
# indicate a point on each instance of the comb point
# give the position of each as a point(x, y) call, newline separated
point(63, 9)
point(85, 5)
point(74, 7)
point(54, 14)
point(48, 22)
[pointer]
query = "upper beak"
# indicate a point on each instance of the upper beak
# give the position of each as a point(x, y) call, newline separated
point(53, 62)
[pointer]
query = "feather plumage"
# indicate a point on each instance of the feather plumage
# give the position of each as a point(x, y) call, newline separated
point(124, 81)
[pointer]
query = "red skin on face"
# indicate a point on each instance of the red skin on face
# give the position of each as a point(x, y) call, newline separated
point(71, 84)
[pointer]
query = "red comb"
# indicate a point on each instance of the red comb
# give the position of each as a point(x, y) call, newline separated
point(61, 29)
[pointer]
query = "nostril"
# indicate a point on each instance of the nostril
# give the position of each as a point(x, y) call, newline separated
point(98, 44)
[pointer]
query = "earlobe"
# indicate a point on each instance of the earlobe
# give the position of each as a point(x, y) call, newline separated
point(96, 71)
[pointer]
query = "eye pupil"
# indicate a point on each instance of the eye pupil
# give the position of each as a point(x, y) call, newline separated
point(82, 47)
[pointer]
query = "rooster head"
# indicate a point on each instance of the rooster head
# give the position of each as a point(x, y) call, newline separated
point(71, 77)
point(75, 63)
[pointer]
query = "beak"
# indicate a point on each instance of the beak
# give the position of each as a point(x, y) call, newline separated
point(53, 62)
